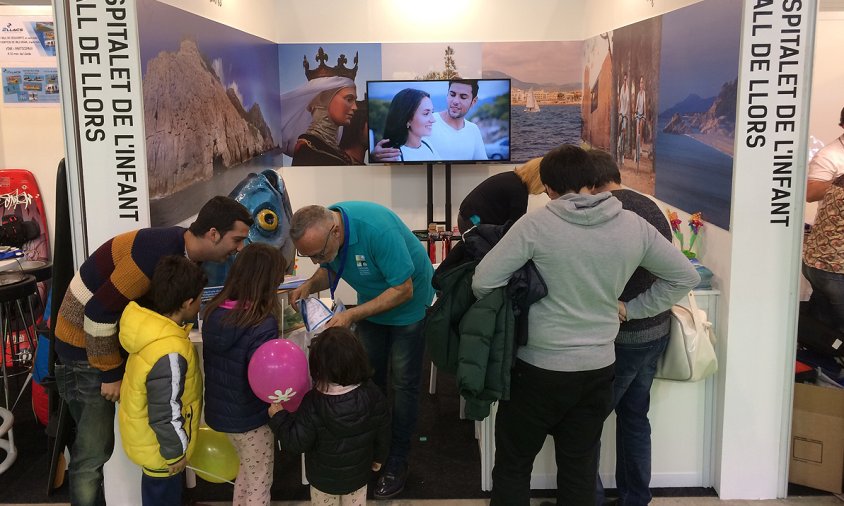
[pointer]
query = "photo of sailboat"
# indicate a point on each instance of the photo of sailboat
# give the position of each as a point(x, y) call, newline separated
point(531, 105)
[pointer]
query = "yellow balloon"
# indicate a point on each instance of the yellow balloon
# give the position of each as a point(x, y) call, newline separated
point(214, 455)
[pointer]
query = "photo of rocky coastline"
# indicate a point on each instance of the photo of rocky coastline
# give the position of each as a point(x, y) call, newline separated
point(211, 108)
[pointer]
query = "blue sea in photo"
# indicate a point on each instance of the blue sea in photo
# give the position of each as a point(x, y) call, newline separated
point(693, 177)
point(536, 133)
point(179, 206)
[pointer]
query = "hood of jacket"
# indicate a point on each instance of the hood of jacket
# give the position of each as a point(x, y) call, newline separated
point(341, 412)
point(585, 210)
point(140, 327)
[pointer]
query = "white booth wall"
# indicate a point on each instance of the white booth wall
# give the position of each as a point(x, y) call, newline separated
point(31, 137)
point(749, 456)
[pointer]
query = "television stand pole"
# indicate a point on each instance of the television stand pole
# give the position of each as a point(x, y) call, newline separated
point(448, 197)
point(430, 190)
point(430, 174)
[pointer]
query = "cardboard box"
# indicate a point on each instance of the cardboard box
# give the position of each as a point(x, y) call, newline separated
point(817, 438)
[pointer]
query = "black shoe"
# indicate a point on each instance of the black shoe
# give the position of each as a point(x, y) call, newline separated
point(392, 480)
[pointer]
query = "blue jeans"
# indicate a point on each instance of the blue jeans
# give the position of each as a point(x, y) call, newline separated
point(826, 303)
point(635, 367)
point(399, 348)
point(79, 386)
point(161, 491)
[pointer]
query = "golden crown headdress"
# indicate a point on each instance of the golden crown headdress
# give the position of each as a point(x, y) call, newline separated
point(324, 70)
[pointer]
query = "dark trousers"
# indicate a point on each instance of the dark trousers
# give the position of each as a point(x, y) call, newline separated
point(398, 349)
point(571, 407)
point(826, 303)
point(161, 491)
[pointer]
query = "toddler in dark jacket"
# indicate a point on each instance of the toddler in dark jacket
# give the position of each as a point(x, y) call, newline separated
point(342, 425)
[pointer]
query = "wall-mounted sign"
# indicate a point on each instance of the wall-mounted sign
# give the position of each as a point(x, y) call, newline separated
point(27, 38)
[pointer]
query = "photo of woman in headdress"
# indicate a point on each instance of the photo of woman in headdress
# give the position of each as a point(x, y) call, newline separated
point(311, 119)
point(318, 103)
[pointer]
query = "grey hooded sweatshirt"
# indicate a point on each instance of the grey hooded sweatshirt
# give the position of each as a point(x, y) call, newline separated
point(585, 247)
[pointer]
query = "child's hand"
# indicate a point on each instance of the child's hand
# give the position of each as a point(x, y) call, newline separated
point(178, 467)
point(376, 466)
point(275, 408)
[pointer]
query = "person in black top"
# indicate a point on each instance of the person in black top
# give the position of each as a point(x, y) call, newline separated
point(501, 198)
point(638, 346)
point(342, 425)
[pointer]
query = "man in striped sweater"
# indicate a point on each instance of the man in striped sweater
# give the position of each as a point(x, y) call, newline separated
point(92, 360)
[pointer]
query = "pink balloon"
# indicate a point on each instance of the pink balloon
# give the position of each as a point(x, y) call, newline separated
point(278, 371)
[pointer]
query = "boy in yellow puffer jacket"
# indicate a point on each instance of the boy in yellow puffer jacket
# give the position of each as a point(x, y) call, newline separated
point(161, 394)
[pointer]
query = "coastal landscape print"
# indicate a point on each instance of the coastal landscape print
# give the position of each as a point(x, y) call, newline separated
point(545, 93)
point(697, 108)
point(211, 108)
point(305, 71)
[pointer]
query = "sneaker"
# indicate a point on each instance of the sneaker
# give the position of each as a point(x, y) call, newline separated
point(392, 480)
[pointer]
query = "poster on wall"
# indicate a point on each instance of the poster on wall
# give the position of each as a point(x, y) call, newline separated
point(27, 38)
point(546, 92)
point(621, 70)
point(660, 96)
point(316, 79)
point(211, 108)
point(30, 86)
point(695, 126)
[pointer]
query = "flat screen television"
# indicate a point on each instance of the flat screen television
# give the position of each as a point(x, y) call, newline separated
point(459, 121)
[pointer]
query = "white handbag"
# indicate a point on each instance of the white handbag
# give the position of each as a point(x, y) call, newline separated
point(690, 353)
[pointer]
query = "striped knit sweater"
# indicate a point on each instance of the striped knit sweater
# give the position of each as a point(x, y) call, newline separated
point(119, 271)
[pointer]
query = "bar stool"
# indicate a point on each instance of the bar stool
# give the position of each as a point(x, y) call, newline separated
point(14, 289)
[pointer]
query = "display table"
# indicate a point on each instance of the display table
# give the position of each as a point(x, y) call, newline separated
point(682, 422)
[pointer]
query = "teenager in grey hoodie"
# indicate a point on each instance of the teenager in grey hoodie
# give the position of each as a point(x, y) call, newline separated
point(585, 247)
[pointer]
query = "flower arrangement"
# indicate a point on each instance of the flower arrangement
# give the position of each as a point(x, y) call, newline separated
point(695, 224)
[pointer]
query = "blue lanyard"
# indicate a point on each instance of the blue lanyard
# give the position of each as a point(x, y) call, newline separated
point(344, 250)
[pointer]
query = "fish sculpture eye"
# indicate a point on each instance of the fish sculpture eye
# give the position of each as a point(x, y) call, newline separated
point(267, 220)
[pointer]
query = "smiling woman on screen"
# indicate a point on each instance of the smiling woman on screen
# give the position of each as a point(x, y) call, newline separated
point(409, 119)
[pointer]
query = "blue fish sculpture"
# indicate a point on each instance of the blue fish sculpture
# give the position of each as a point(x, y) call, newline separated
point(265, 196)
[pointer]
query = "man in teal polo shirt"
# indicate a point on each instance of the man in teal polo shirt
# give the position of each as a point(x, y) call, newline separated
point(369, 247)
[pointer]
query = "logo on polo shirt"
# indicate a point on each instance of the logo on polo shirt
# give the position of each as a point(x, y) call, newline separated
point(363, 267)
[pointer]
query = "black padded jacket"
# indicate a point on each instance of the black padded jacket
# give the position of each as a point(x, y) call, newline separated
point(340, 435)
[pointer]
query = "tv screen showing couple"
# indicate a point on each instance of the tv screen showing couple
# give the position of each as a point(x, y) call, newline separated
point(456, 121)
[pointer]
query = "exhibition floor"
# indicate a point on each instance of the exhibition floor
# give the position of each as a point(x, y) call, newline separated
point(445, 467)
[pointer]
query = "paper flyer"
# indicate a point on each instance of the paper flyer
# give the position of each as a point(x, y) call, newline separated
point(27, 38)
point(30, 86)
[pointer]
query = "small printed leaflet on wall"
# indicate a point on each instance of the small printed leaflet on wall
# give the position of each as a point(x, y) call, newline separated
point(27, 38)
point(30, 86)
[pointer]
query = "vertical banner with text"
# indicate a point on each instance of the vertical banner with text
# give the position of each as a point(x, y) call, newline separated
point(767, 230)
point(105, 62)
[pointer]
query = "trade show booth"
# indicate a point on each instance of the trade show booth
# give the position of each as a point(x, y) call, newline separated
point(167, 102)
